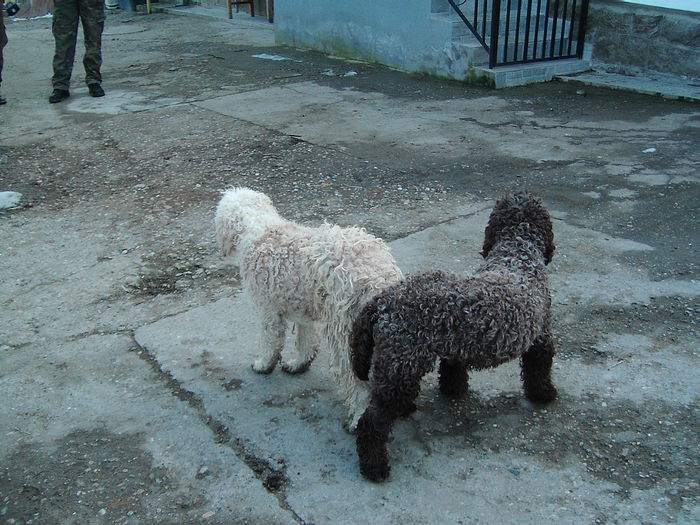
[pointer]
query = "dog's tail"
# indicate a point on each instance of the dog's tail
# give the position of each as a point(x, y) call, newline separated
point(362, 340)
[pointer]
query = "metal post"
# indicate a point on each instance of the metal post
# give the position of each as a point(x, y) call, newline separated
point(555, 20)
point(582, 28)
point(528, 21)
point(495, 24)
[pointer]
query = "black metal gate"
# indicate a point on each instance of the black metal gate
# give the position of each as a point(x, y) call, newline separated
point(519, 31)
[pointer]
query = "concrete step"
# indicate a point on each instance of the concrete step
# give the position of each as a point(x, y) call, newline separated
point(522, 74)
point(440, 6)
point(484, 59)
point(510, 18)
point(463, 34)
point(517, 74)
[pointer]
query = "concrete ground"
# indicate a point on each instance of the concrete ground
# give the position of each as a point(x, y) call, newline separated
point(126, 343)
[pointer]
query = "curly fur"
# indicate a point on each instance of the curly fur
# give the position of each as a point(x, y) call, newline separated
point(317, 278)
point(500, 313)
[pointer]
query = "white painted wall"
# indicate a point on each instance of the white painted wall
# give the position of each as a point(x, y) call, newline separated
point(399, 33)
point(395, 32)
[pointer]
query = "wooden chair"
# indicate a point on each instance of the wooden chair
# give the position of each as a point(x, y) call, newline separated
point(231, 3)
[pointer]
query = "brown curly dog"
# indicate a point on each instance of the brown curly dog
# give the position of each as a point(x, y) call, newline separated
point(500, 313)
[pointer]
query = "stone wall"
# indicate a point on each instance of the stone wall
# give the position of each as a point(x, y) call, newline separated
point(628, 37)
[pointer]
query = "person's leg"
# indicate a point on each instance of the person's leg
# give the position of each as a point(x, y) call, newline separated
point(3, 43)
point(65, 32)
point(92, 16)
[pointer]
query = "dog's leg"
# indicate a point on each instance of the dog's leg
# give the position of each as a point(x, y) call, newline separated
point(454, 378)
point(373, 431)
point(536, 367)
point(306, 348)
point(394, 392)
point(271, 342)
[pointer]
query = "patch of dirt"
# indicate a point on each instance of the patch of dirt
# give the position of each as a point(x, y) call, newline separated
point(91, 477)
point(665, 320)
point(177, 271)
point(633, 446)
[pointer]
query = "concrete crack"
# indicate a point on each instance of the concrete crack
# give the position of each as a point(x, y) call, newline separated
point(273, 478)
point(99, 332)
point(432, 224)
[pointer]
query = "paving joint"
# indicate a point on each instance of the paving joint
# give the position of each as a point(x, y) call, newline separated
point(272, 479)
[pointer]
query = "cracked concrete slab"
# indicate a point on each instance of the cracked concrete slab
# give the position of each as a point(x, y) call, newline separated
point(295, 421)
point(112, 240)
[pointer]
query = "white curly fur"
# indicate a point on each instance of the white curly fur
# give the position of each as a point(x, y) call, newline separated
point(317, 278)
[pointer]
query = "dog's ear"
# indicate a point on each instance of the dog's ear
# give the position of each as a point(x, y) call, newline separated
point(228, 245)
point(489, 240)
point(228, 233)
point(538, 215)
point(497, 222)
point(549, 246)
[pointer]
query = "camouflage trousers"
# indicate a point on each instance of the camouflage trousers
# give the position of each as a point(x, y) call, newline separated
point(66, 14)
point(3, 38)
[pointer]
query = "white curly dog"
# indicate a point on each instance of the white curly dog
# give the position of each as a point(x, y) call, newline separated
point(317, 278)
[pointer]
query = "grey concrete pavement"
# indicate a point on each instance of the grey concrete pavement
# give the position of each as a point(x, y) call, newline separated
point(126, 341)
point(291, 421)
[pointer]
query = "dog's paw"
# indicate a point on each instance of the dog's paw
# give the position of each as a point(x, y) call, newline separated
point(262, 367)
point(350, 423)
point(408, 409)
point(541, 393)
point(455, 390)
point(376, 472)
point(295, 366)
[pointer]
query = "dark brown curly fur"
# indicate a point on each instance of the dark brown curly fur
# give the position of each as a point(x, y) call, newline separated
point(501, 313)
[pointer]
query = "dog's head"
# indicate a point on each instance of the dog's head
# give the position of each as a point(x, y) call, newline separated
point(242, 211)
point(518, 210)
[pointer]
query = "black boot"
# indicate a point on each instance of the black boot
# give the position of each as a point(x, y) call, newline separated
point(59, 95)
point(96, 90)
